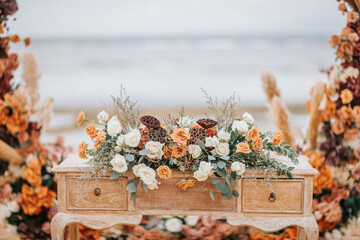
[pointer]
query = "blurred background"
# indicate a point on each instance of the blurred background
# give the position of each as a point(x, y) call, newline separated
point(164, 51)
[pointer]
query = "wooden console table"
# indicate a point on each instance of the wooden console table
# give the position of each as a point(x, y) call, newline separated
point(101, 204)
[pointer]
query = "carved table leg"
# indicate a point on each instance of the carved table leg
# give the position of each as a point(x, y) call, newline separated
point(311, 229)
point(61, 220)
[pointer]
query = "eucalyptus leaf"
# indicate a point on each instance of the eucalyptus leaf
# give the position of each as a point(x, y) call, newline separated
point(214, 165)
point(131, 187)
point(211, 158)
point(228, 180)
point(221, 164)
point(214, 180)
point(221, 172)
point(201, 144)
point(114, 175)
point(133, 195)
point(146, 189)
point(235, 193)
point(228, 195)
point(226, 158)
point(143, 152)
point(222, 187)
point(212, 195)
point(129, 157)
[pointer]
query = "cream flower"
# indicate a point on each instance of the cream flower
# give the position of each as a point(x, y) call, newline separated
point(223, 135)
point(191, 220)
point(119, 164)
point(120, 140)
point(146, 174)
point(173, 225)
point(200, 176)
point(248, 118)
point(133, 138)
point(186, 122)
point(13, 206)
point(211, 141)
point(205, 168)
point(114, 126)
point(154, 149)
point(222, 149)
point(102, 117)
point(194, 150)
point(4, 212)
point(238, 167)
point(153, 185)
point(241, 126)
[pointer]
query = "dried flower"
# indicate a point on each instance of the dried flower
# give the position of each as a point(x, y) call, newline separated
point(91, 130)
point(82, 150)
point(184, 184)
point(180, 136)
point(243, 148)
point(269, 85)
point(164, 172)
point(346, 96)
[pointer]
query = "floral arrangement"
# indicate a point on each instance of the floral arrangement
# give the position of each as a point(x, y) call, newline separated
point(202, 149)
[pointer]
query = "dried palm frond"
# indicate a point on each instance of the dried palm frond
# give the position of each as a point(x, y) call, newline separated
point(46, 114)
point(23, 101)
point(269, 85)
point(31, 76)
point(315, 113)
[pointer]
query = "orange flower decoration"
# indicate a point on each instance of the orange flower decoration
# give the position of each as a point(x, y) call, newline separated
point(100, 139)
point(334, 40)
point(32, 172)
point(253, 134)
point(81, 119)
point(346, 113)
point(277, 139)
point(184, 184)
point(329, 111)
point(352, 17)
point(180, 136)
point(91, 130)
point(82, 150)
point(337, 127)
point(15, 38)
point(342, 8)
point(345, 50)
point(33, 201)
point(27, 42)
point(257, 145)
point(346, 96)
point(178, 151)
point(164, 172)
point(351, 134)
point(243, 148)
point(168, 152)
point(353, 37)
point(1, 28)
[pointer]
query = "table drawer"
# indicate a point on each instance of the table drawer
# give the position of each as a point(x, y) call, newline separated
point(95, 194)
point(257, 197)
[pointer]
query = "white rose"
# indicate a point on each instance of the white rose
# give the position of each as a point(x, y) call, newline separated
point(328, 236)
point(194, 150)
point(200, 176)
point(119, 163)
point(120, 140)
point(103, 116)
point(241, 126)
point(223, 135)
point(146, 174)
point(132, 139)
point(4, 212)
point(248, 118)
point(222, 149)
point(136, 169)
point(114, 126)
point(205, 168)
point(337, 234)
point(238, 167)
point(186, 122)
point(13, 206)
point(211, 141)
point(174, 225)
point(153, 185)
point(191, 220)
point(154, 149)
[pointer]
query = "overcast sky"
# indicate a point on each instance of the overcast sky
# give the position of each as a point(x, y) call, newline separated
point(122, 18)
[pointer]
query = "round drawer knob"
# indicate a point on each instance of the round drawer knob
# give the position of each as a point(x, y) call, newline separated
point(97, 191)
point(272, 197)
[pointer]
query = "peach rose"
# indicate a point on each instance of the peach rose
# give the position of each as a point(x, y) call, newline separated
point(334, 40)
point(257, 145)
point(100, 139)
point(164, 172)
point(351, 134)
point(82, 150)
point(167, 152)
point(277, 139)
point(184, 184)
point(91, 130)
point(243, 148)
point(346, 96)
point(337, 127)
point(346, 113)
point(23, 137)
point(353, 37)
point(81, 119)
point(342, 8)
point(178, 151)
point(345, 49)
point(180, 136)
point(345, 32)
point(352, 17)
point(356, 111)
point(253, 134)
point(329, 111)
point(32, 172)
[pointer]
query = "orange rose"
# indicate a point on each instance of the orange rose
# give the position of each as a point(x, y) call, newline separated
point(32, 172)
point(253, 134)
point(352, 17)
point(81, 119)
point(337, 127)
point(356, 111)
point(91, 130)
point(353, 37)
point(167, 152)
point(82, 150)
point(277, 139)
point(342, 8)
point(334, 40)
point(329, 111)
point(23, 137)
point(164, 172)
point(257, 145)
point(345, 50)
point(243, 148)
point(346, 113)
point(345, 32)
point(180, 136)
point(100, 139)
point(178, 151)
point(346, 96)
point(30, 204)
point(184, 184)
point(315, 159)
point(351, 134)
point(323, 180)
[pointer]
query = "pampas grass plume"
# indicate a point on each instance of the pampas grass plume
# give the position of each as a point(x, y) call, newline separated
point(31, 76)
point(46, 114)
point(269, 85)
point(315, 113)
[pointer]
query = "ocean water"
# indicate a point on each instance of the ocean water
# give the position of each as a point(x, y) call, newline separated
point(169, 72)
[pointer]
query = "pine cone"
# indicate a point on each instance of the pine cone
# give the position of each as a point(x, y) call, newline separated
point(207, 123)
point(195, 134)
point(157, 134)
point(150, 121)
